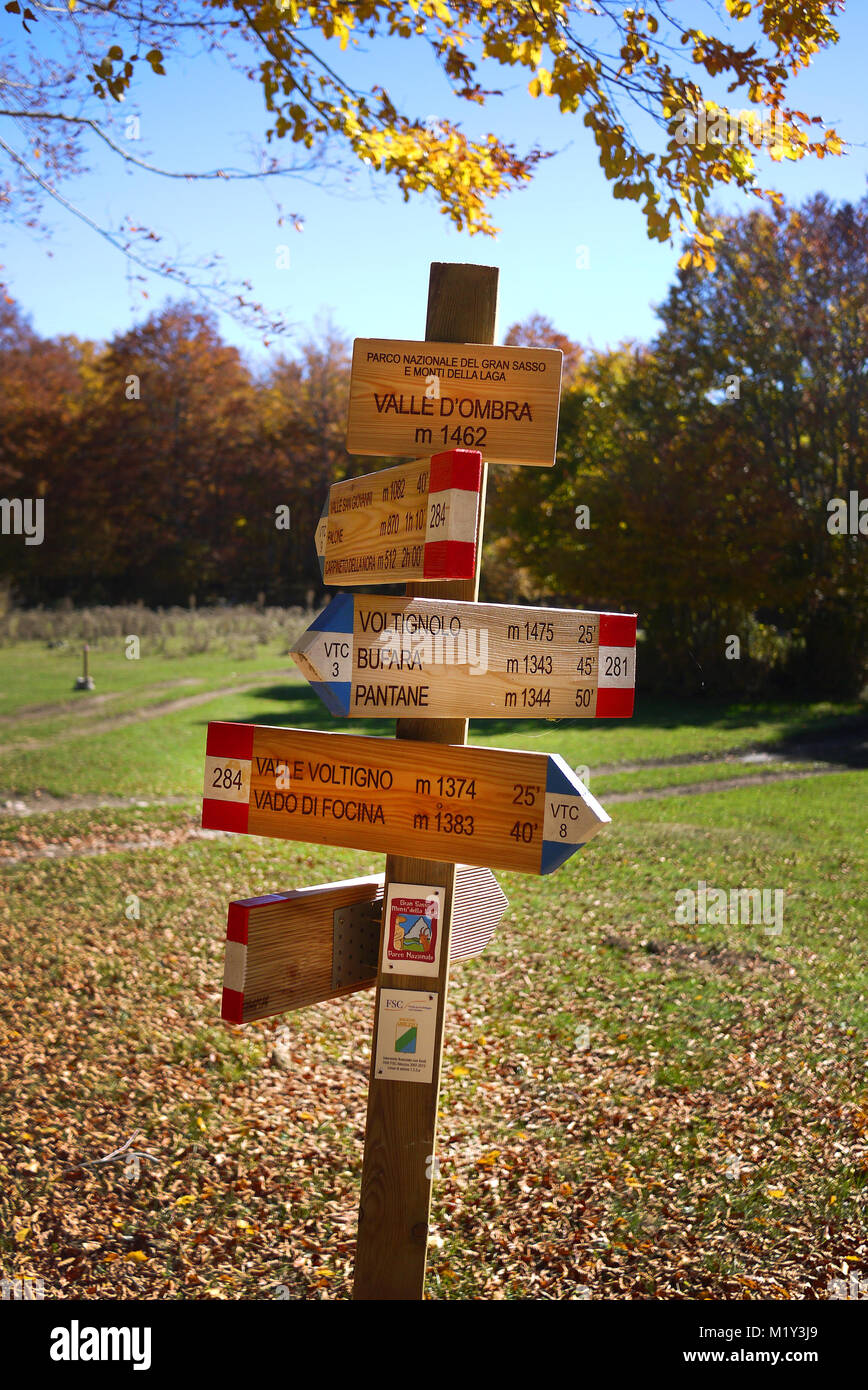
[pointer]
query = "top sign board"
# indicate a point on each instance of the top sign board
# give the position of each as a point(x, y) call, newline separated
point(412, 398)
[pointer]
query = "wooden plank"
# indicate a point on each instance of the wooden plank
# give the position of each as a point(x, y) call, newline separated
point(401, 1127)
point(510, 810)
point(409, 397)
point(371, 654)
point(417, 521)
point(279, 952)
point(287, 950)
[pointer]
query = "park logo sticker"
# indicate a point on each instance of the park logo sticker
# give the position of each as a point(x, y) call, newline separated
point(411, 941)
point(406, 1036)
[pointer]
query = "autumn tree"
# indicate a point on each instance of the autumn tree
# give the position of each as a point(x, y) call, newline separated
point(695, 476)
point(42, 401)
point(138, 450)
point(171, 422)
point(538, 331)
point(607, 63)
point(168, 467)
point(775, 344)
point(305, 414)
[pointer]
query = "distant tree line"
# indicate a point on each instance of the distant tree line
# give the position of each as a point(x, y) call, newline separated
point(696, 480)
point(168, 467)
point(723, 468)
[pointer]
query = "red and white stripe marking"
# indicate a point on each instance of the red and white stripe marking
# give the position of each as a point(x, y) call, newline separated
point(235, 959)
point(616, 678)
point(228, 765)
point(454, 481)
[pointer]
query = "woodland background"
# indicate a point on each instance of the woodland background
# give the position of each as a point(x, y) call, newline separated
point(707, 459)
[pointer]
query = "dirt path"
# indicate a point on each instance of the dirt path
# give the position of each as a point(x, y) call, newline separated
point(157, 711)
point(847, 747)
point(723, 784)
point(86, 704)
point(43, 803)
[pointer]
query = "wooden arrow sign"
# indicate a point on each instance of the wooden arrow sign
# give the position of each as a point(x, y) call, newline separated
point(288, 950)
point(417, 521)
point(406, 398)
point(439, 658)
point(509, 810)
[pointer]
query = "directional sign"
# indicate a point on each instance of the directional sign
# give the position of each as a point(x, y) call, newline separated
point(509, 810)
point(406, 397)
point(287, 950)
point(368, 654)
point(417, 521)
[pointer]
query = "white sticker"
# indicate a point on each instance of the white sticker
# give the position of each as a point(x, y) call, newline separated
point(235, 966)
point(452, 513)
point(617, 668)
point(227, 779)
point(329, 656)
point(405, 1035)
point(414, 925)
point(571, 819)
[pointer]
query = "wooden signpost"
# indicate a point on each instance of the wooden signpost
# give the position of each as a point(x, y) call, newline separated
point(424, 793)
point(287, 950)
point(494, 806)
point(371, 654)
point(406, 398)
point(417, 521)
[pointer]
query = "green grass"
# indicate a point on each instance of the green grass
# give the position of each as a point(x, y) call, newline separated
point(704, 1138)
point(695, 728)
point(34, 675)
point(807, 838)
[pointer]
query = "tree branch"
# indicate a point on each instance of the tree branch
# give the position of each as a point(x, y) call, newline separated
point(254, 311)
point(143, 163)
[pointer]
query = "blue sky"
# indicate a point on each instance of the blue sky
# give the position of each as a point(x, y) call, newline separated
point(363, 254)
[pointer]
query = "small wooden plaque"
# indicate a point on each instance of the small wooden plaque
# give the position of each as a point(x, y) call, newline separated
point(411, 398)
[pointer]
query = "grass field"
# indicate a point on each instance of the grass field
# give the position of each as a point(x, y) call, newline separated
point(631, 1107)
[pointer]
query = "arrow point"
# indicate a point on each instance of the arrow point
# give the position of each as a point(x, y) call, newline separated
point(562, 781)
point(572, 815)
point(310, 655)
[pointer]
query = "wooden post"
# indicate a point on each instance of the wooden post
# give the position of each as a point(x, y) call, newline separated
point(85, 681)
point(399, 1163)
